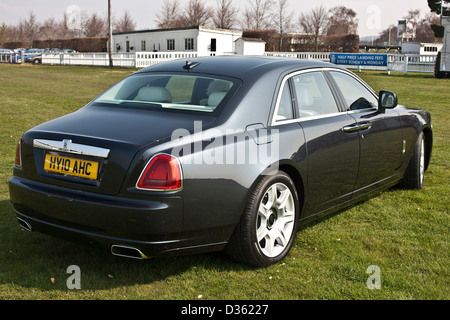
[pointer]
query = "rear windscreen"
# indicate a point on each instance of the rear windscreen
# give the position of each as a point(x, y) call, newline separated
point(171, 91)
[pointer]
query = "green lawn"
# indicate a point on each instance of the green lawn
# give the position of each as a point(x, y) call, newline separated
point(404, 233)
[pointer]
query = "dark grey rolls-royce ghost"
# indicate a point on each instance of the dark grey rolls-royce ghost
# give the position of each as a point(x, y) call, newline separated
point(216, 153)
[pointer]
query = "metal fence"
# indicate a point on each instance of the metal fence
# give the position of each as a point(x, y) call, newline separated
point(396, 62)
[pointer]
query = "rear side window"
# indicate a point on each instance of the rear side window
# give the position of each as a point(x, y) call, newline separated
point(356, 95)
point(285, 111)
point(167, 91)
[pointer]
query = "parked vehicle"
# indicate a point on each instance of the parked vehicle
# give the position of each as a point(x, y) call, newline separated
point(34, 59)
point(442, 65)
point(216, 153)
point(33, 55)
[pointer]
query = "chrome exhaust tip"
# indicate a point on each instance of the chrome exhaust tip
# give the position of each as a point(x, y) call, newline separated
point(127, 252)
point(24, 224)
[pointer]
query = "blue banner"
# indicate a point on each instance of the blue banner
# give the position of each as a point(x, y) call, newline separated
point(359, 59)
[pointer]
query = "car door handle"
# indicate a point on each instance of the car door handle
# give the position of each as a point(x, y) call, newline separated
point(357, 127)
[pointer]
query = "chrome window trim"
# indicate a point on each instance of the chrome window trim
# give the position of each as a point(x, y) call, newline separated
point(300, 120)
point(358, 79)
point(274, 122)
point(69, 147)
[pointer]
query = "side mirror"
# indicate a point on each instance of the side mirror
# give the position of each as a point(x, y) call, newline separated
point(387, 100)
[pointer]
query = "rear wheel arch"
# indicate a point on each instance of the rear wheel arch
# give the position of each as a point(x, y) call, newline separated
point(293, 173)
point(253, 241)
point(298, 182)
point(428, 136)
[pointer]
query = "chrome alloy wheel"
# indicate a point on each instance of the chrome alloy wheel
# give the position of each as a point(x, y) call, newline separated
point(275, 220)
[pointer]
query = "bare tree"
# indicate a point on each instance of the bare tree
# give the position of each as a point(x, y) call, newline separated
point(257, 15)
point(125, 24)
point(77, 23)
point(30, 28)
point(388, 35)
point(424, 31)
point(94, 26)
point(342, 20)
point(282, 19)
point(196, 13)
point(64, 31)
point(225, 15)
point(314, 24)
point(4, 34)
point(49, 29)
point(169, 15)
point(15, 32)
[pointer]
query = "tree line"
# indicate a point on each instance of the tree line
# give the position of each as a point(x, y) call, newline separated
point(77, 24)
point(259, 15)
point(317, 30)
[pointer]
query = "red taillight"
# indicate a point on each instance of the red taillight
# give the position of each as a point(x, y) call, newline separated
point(163, 172)
point(18, 159)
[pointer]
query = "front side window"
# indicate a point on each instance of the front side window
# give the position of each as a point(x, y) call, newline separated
point(356, 95)
point(313, 95)
point(170, 92)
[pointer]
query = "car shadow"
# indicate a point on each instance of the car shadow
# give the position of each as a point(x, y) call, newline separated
point(33, 259)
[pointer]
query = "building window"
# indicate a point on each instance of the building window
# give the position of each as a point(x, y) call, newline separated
point(189, 44)
point(170, 44)
point(143, 45)
point(213, 45)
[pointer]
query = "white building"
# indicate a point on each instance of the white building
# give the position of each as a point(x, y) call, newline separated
point(250, 46)
point(203, 40)
point(421, 48)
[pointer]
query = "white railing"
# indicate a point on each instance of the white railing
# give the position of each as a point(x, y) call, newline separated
point(146, 59)
point(89, 59)
point(324, 56)
point(10, 58)
point(396, 62)
point(411, 63)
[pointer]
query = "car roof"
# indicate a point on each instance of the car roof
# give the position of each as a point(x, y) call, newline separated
point(238, 66)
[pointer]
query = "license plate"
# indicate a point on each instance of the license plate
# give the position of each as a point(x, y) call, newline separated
point(71, 166)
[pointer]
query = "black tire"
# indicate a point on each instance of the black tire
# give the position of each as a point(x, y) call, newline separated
point(415, 173)
point(267, 229)
point(437, 67)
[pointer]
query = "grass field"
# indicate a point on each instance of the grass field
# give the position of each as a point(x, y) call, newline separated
point(404, 233)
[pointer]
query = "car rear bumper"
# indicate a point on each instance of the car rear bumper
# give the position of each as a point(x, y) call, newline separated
point(127, 226)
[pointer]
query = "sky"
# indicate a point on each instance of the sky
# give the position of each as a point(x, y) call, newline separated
point(373, 15)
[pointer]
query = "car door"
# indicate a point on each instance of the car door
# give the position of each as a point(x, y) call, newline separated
point(380, 133)
point(332, 156)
